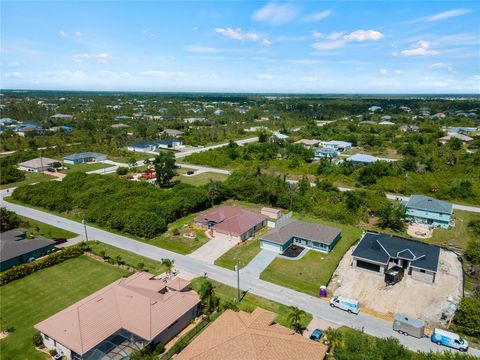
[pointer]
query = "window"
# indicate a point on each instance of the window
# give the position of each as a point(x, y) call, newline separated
point(46, 337)
point(422, 271)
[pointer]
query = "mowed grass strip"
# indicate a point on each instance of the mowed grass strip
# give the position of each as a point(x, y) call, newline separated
point(37, 228)
point(130, 258)
point(243, 252)
point(315, 268)
point(27, 301)
point(250, 302)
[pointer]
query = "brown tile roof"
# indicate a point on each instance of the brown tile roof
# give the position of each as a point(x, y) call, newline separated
point(139, 304)
point(305, 230)
point(232, 219)
point(240, 336)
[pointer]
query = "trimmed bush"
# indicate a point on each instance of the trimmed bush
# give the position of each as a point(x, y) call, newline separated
point(37, 339)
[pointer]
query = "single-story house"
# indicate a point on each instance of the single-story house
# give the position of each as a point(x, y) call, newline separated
point(61, 117)
point(362, 159)
point(65, 128)
point(120, 126)
point(406, 128)
point(386, 117)
point(339, 146)
point(386, 122)
point(374, 108)
point(169, 143)
point(39, 164)
point(241, 335)
point(16, 249)
point(426, 210)
point(461, 137)
point(380, 252)
point(173, 132)
point(219, 112)
point(271, 213)
point(460, 130)
point(326, 152)
point(142, 146)
point(308, 143)
point(367, 122)
point(121, 318)
point(314, 236)
point(239, 224)
point(279, 136)
point(122, 117)
point(191, 120)
point(84, 157)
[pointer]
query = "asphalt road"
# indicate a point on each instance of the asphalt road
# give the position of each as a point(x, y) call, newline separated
point(314, 305)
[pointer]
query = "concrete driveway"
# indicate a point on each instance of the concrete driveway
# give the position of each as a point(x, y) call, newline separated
point(259, 263)
point(212, 250)
point(318, 323)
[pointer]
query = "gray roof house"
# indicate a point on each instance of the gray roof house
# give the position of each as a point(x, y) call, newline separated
point(422, 209)
point(313, 236)
point(380, 252)
point(84, 157)
point(16, 249)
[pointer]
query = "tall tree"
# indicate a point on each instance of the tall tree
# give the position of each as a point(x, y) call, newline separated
point(214, 191)
point(209, 299)
point(168, 265)
point(165, 168)
point(333, 338)
point(8, 220)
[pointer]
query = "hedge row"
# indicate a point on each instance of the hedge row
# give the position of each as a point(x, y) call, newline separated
point(18, 272)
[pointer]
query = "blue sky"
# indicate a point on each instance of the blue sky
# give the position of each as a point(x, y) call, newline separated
point(310, 47)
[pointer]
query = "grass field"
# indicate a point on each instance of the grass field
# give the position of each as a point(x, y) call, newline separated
point(249, 302)
point(244, 252)
point(30, 178)
point(130, 258)
point(201, 179)
point(34, 298)
point(315, 268)
point(84, 167)
point(36, 228)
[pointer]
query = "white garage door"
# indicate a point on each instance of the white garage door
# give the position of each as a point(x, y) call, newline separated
point(271, 247)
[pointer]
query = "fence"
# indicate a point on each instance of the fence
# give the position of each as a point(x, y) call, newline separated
point(280, 221)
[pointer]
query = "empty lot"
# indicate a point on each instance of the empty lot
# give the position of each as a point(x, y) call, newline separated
point(412, 297)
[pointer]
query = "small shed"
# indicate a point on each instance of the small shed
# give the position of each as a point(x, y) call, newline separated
point(274, 214)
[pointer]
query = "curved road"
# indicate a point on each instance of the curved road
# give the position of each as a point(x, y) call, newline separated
point(314, 305)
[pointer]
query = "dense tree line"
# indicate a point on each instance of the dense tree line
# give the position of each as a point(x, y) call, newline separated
point(8, 220)
point(135, 208)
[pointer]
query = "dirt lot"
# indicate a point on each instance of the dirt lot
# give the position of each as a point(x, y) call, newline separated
point(410, 296)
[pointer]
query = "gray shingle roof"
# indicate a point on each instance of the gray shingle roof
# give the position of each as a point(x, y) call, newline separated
point(425, 203)
point(83, 155)
point(13, 244)
point(301, 229)
point(381, 247)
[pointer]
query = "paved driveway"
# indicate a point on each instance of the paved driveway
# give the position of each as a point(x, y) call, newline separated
point(259, 263)
point(213, 249)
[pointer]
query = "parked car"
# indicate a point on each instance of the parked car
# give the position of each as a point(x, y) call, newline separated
point(409, 326)
point(450, 339)
point(352, 306)
point(316, 335)
point(32, 259)
point(59, 240)
point(52, 170)
point(190, 172)
point(58, 356)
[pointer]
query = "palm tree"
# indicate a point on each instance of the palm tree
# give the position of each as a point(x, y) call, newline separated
point(168, 265)
point(294, 317)
point(333, 338)
point(214, 191)
point(209, 298)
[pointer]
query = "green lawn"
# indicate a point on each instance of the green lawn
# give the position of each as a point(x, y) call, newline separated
point(249, 302)
point(34, 298)
point(36, 228)
point(130, 258)
point(30, 178)
point(315, 268)
point(201, 179)
point(243, 252)
point(84, 167)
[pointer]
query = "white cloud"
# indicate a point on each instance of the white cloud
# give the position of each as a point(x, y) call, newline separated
point(14, 64)
point(317, 16)
point(383, 71)
point(266, 76)
point(14, 75)
point(309, 78)
point(240, 35)
point(276, 13)
point(447, 14)
point(306, 61)
point(441, 65)
point(364, 35)
point(64, 74)
point(102, 58)
point(201, 49)
point(337, 40)
point(62, 34)
point(398, 71)
point(421, 48)
point(195, 28)
point(161, 74)
point(78, 33)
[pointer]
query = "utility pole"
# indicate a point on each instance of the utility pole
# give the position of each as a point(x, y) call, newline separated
point(237, 269)
point(85, 227)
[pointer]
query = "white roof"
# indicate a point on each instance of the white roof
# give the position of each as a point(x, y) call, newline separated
point(446, 333)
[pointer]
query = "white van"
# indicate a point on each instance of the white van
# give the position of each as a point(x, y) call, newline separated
point(447, 338)
point(352, 306)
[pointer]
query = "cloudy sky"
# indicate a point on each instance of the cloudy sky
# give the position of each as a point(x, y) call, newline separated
point(309, 47)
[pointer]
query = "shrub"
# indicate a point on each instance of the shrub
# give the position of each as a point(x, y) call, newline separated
point(122, 170)
point(52, 352)
point(18, 272)
point(37, 339)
